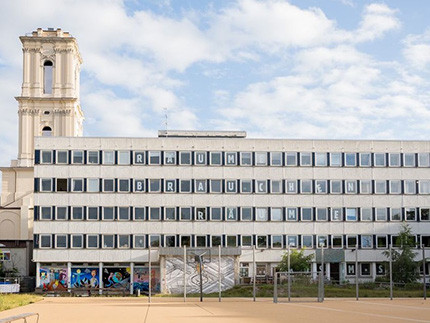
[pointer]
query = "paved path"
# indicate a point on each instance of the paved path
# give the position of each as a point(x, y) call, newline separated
point(130, 310)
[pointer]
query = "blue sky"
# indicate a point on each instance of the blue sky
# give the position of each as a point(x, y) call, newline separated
point(324, 69)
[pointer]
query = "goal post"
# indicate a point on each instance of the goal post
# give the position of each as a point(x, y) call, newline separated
point(298, 286)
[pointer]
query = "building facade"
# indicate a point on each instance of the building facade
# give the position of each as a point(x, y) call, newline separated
point(104, 201)
point(48, 106)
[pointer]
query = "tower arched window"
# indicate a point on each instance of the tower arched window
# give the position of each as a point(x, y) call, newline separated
point(47, 77)
point(46, 131)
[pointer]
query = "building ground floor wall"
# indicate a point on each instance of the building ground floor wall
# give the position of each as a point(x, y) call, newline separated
point(170, 272)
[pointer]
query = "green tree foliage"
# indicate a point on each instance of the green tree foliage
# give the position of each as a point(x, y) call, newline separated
point(298, 261)
point(405, 268)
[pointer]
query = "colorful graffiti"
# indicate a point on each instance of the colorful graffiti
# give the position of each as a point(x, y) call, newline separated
point(141, 279)
point(117, 277)
point(53, 278)
point(85, 277)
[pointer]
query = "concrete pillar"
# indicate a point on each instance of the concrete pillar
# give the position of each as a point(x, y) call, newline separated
point(100, 277)
point(342, 272)
point(69, 275)
point(131, 277)
point(327, 271)
point(314, 270)
point(373, 270)
point(37, 274)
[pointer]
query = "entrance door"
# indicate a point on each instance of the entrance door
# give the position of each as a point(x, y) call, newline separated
point(334, 272)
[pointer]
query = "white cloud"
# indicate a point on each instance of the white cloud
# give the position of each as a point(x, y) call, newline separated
point(417, 50)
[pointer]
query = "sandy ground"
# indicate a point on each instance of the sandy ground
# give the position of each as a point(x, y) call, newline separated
point(124, 310)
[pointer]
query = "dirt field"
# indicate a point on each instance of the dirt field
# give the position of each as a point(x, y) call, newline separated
point(125, 310)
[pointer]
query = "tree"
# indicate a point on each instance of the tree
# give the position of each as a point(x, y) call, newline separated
point(298, 261)
point(404, 264)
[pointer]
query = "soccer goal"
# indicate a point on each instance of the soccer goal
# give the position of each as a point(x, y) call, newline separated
point(305, 286)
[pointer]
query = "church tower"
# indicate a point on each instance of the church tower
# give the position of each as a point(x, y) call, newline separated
point(48, 106)
point(49, 102)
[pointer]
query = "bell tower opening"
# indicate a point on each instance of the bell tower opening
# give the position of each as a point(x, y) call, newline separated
point(46, 132)
point(47, 77)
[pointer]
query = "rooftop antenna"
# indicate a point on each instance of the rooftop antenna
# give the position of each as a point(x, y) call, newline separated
point(166, 120)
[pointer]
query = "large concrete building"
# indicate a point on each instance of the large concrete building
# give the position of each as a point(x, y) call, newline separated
point(100, 203)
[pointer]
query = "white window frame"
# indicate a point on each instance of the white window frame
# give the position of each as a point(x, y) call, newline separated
point(149, 215)
point(168, 155)
point(331, 186)
point(42, 161)
point(230, 236)
point(103, 185)
point(150, 242)
point(406, 214)
point(345, 155)
point(257, 244)
point(331, 160)
point(175, 244)
point(196, 159)
point(356, 214)
point(369, 183)
point(390, 186)
point(241, 214)
point(73, 157)
point(257, 218)
point(56, 241)
point(356, 241)
point(72, 245)
point(391, 214)
point(72, 215)
point(119, 213)
point(317, 210)
point(341, 241)
point(332, 218)
point(180, 213)
point(103, 213)
point(57, 158)
point(251, 183)
point(183, 153)
point(74, 180)
point(287, 181)
point(139, 153)
point(427, 160)
point(386, 241)
point(97, 154)
point(93, 180)
point(362, 217)
point(250, 157)
point(196, 217)
point(301, 186)
point(375, 164)
point(154, 153)
point(423, 184)
point(399, 160)
point(384, 209)
point(287, 214)
point(414, 157)
point(103, 241)
point(210, 186)
point(190, 181)
point(282, 241)
point(237, 213)
point(325, 159)
point(291, 153)
point(201, 236)
point(56, 213)
point(97, 239)
point(282, 214)
point(174, 213)
point(196, 181)
point(50, 241)
point(360, 158)
point(88, 213)
point(211, 213)
point(302, 239)
point(50, 186)
point(118, 237)
point(119, 185)
point(122, 153)
point(377, 192)
point(138, 236)
point(211, 240)
point(220, 158)
point(227, 188)
point(320, 181)
point(325, 237)
point(149, 185)
point(312, 214)
point(242, 244)
point(108, 153)
point(420, 213)
point(274, 153)
point(303, 154)
point(226, 154)
point(371, 241)
point(258, 182)
point(272, 191)
point(144, 213)
point(296, 238)
point(264, 161)
point(41, 208)
point(347, 187)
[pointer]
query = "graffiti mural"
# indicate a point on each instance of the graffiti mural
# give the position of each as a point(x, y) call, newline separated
point(53, 278)
point(141, 279)
point(116, 277)
point(85, 277)
point(175, 275)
